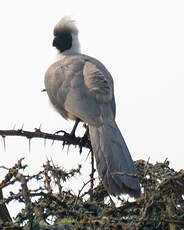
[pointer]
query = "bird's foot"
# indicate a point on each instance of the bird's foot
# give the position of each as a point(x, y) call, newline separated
point(65, 134)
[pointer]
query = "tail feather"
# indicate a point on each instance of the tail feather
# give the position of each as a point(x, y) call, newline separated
point(112, 156)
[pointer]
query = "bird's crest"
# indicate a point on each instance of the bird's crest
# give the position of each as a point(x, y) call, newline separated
point(66, 24)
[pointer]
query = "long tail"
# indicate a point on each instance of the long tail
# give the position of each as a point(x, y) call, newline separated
point(112, 155)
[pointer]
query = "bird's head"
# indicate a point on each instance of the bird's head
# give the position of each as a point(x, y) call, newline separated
point(66, 37)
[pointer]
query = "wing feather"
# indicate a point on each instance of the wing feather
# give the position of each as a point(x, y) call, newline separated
point(97, 83)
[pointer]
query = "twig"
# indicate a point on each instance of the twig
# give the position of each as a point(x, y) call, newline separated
point(81, 190)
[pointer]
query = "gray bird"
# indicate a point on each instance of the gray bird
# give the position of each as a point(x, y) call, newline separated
point(81, 88)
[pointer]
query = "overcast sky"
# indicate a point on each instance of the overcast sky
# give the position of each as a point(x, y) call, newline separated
point(140, 42)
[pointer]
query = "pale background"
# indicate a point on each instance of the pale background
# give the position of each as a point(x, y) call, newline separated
point(142, 45)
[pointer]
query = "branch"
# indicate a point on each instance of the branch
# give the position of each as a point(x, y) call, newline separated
point(66, 138)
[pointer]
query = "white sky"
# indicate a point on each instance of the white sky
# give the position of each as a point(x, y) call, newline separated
point(140, 42)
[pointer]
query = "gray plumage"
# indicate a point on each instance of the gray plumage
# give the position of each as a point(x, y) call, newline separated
point(80, 87)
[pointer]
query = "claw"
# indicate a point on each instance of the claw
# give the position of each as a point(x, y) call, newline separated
point(72, 134)
point(60, 131)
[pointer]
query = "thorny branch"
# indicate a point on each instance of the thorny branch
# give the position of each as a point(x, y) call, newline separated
point(66, 138)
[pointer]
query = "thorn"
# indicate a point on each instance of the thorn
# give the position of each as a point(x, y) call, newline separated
point(47, 159)
point(29, 145)
point(88, 155)
point(40, 127)
point(45, 141)
point(148, 160)
point(52, 162)
point(63, 145)
point(43, 90)
point(68, 149)
point(22, 126)
point(4, 143)
point(37, 130)
point(52, 142)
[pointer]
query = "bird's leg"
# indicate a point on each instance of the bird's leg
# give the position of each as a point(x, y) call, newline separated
point(85, 140)
point(85, 136)
point(74, 127)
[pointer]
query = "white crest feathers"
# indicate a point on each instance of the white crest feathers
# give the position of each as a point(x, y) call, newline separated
point(66, 24)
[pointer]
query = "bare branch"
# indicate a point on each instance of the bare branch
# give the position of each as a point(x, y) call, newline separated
point(66, 138)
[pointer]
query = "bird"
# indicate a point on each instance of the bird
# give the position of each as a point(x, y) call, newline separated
point(80, 88)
